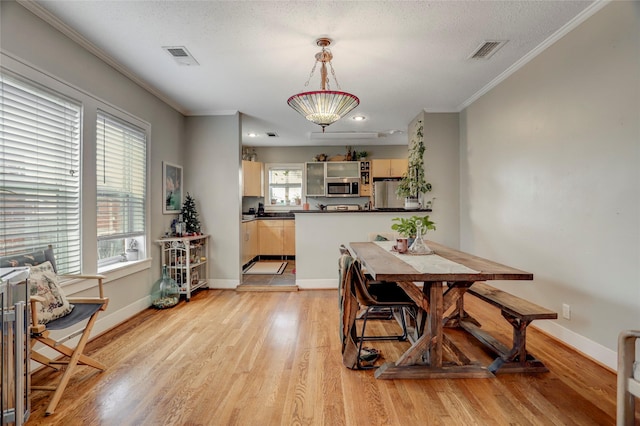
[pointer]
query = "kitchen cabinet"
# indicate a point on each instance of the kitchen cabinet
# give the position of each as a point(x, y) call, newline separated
point(343, 169)
point(252, 179)
point(365, 178)
point(315, 179)
point(389, 167)
point(289, 235)
point(277, 237)
point(186, 260)
point(250, 248)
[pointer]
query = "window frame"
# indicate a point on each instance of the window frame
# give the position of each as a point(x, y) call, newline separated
point(267, 186)
point(126, 238)
point(90, 104)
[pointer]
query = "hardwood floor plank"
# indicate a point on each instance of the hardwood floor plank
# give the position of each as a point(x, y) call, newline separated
point(273, 358)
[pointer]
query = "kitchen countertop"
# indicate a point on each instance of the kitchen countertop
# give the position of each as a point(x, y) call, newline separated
point(362, 211)
point(291, 214)
point(270, 216)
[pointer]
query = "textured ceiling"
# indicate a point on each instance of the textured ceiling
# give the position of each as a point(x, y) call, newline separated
point(398, 57)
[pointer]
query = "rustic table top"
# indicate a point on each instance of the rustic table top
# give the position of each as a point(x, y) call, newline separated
point(383, 264)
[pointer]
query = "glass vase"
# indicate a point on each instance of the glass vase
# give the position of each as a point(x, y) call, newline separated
point(419, 246)
point(166, 292)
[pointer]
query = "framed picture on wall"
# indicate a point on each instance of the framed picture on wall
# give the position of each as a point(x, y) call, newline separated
point(171, 188)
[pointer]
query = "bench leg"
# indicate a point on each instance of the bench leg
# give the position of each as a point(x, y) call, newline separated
point(458, 314)
point(517, 360)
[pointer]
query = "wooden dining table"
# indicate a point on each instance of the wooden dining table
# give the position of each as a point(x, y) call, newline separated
point(436, 283)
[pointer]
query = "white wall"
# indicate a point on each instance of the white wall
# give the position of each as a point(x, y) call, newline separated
point(441, 162)
point(550, 179)
point(213, 179)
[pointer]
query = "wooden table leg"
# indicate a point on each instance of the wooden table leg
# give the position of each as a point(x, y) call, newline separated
point(429, 347)
point(433, 291)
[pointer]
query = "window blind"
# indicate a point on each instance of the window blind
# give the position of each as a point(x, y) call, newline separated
point(285, 184)
point(121, 165)
point(39, 172)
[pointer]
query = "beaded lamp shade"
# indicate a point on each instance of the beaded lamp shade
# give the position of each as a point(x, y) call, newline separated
point(323, 107)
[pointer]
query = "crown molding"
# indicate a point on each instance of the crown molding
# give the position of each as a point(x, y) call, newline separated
point(75, 36)
point(564, 30)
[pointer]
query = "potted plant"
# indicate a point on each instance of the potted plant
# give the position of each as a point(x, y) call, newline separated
point(408, 227)
point(414, 228)
point(132, 251)
point(413, 183)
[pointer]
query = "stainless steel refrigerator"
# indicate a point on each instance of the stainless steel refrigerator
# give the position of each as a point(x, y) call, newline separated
point(384, 195)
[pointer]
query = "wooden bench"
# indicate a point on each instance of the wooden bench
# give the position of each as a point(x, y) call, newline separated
point(520, 313)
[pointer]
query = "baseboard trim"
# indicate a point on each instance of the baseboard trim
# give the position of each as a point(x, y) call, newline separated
point(600, 354)
point(223, 284)
point(317, 284)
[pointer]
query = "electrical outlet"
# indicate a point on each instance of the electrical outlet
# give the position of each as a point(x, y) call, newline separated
point(566, 311)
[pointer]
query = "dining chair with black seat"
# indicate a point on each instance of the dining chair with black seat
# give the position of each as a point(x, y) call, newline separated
point(372, 296)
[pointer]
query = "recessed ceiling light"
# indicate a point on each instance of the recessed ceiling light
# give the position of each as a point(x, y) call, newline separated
point(252, 135)
point(359, 118)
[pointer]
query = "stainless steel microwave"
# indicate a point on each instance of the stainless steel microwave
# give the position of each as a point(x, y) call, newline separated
point(343, 187)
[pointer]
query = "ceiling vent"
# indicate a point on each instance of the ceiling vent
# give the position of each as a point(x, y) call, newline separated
point(181, 55)
point(487, 49)
point(272, 134)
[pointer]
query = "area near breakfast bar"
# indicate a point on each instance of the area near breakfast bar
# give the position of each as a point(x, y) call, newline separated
point(319, 234)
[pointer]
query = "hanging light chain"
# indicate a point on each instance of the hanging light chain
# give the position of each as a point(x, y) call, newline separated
point(311, 73)
point(333, 72)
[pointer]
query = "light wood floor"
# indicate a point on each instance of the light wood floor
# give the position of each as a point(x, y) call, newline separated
point(273, 358)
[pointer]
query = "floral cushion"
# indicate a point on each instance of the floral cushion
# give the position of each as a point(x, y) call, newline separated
point(44, 283)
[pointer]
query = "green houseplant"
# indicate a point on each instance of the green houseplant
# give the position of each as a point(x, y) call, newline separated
point(408, 227)
point(413, 183)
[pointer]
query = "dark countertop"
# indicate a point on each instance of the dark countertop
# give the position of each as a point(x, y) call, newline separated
point(269, 216)
point(363, 211)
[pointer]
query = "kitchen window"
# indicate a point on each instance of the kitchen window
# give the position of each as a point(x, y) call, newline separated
point(284, 186)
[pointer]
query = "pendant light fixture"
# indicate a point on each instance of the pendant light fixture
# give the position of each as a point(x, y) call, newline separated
point(323, 107)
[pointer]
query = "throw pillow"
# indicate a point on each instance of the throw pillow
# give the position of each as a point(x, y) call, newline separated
point(44, 283)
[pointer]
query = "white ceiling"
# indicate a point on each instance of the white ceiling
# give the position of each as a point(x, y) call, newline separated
point(398, 57)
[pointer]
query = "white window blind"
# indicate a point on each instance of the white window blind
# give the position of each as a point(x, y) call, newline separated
point(121, 165)
point(39, 172)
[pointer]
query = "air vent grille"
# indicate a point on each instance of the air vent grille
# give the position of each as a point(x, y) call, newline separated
point(181, 55)
point(272, 134)
point(487, 49)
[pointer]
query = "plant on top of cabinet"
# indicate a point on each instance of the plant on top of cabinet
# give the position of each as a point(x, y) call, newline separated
point(413, 183)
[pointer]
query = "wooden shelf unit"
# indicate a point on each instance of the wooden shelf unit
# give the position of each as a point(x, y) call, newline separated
point(186, 259)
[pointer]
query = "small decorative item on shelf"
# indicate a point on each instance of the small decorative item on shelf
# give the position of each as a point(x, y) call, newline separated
point(190, 216)
point(166, 293)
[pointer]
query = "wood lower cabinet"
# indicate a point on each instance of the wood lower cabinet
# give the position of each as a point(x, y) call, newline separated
point(250, 248)
point(289, 234)
point(277, 237)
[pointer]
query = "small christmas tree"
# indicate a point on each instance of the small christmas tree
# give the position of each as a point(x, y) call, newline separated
point(190, 215)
